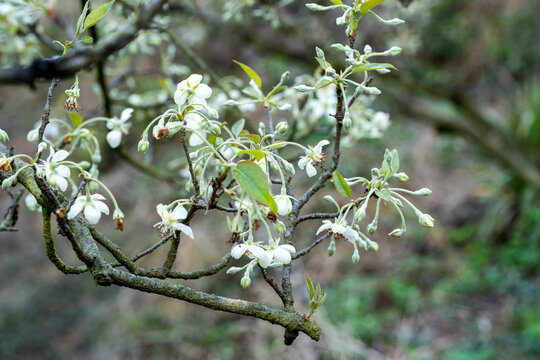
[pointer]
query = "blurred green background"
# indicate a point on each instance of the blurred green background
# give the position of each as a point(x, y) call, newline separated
point(465, 111)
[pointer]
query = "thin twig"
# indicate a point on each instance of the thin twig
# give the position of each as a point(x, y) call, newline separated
point(310, 247)
point(315, 216)
point(46, 111)
point(273, 284)
point(194, 179)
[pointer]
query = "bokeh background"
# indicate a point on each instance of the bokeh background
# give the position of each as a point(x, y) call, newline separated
point(465, 112)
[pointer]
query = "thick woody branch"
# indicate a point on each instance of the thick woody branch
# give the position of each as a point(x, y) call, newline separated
point(67, 66)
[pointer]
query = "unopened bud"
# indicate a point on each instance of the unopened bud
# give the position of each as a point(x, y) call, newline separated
point(360, 214)
point(212, 113)
point(372, 90)
point(426, 220)
point(397, 232)
point(372, 227)
point(143, 145)
point(33, 135)
point(401, 176)
point(288, 166)
point(282, 128)
point(331, 247)
point(262, 129)
point(84, 164)
point(245, 282)
point(42, 146)
point(279, 226)
point(423, 192)
point(347, 123)
point(367, 49)
point(9, 181)
point(234, 270)
point(355, 256)
point(3, 136)
point(394, 50)
point(215, 129)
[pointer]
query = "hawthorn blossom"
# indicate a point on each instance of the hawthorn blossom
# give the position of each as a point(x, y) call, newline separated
point(92, 207)
point(118, 127)
point(252, 251)
point(73, 94)
point(192, 91)
point(313, 158)
point(5, 163)
point(171, 221)
point(278, 255)
point(342, 231)
point(54, 173)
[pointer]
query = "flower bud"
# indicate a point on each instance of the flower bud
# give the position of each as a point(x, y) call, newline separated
point(401, 176)
point(347, 123)
point(397, 232)
point(372, 245)
point(31, 203)
point(288, 166)
point(331, 247)
point(394, 50)
point(9, 181)
point(423, 192)
point(262, 129)
point(426, 220)
point(279, 226)
point(372, 227)
point(33, 135)
point(3, 136)
point(360, 214)
point(143, 145)
point(355, 256)
point(42, 146)
point(371, 90)
point(383, 71)
point(96, 158)
point(245, 282)
point(212, 113)
point(84, 164)
point(282, 128)
point(284, 204)
point(215, 129)
point(367, 49)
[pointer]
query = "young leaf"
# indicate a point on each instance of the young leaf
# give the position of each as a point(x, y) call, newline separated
point(337, 2)
point(341, 185)
point(251, 73)
point(372, 66)
point(87, 39)
point(395, 161)
point(310, 287)
point(238, 126)
point(80, 21)
point(254, 181)
point(97, 14)
point(368, 5)
point(257, 154)
point(76, 119)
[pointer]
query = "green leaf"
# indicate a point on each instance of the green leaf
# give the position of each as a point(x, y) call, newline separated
point(322, 299)
point(257, 154)
point(386, 169)
point(310, 287)
point(97, 14)
point(80, 21)
point(87, 39)
point(253, 137)
point(341, 185)
point(254, 181)
point(383, 194)
point(251, 73)
point(337, 2)
point(372, 66)
point(395, 161)
point(238, 126)
point(76, 119)
point(368, 5)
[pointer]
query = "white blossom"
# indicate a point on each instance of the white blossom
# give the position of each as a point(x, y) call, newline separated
point(118, 127)
point(91, 205)
point(192, 91)
point(313, 158)
point(340, 230)
point(252, 251)
point(282, 254)
point(54, 173)
point(195, 123)
point(171, 220)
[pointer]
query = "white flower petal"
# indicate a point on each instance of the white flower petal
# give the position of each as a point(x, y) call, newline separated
point(185, 229)
point(101, 207)
point(304, 160)
point(287, 247)
point(62, 170)
point(204, 91)
point(126, 114)
point(92, 214)
point(195, 140)
point(194, 80)
point(59, 156)
point(180, 97)
point(282, 255)
point(97, 197)
point(238, 250)
point(76, 207)
point(179, 213)
point(61, 182)
point(326, 225)
point(114, 138)
point(318, 148)
point(182, 85)
point(310, 169)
